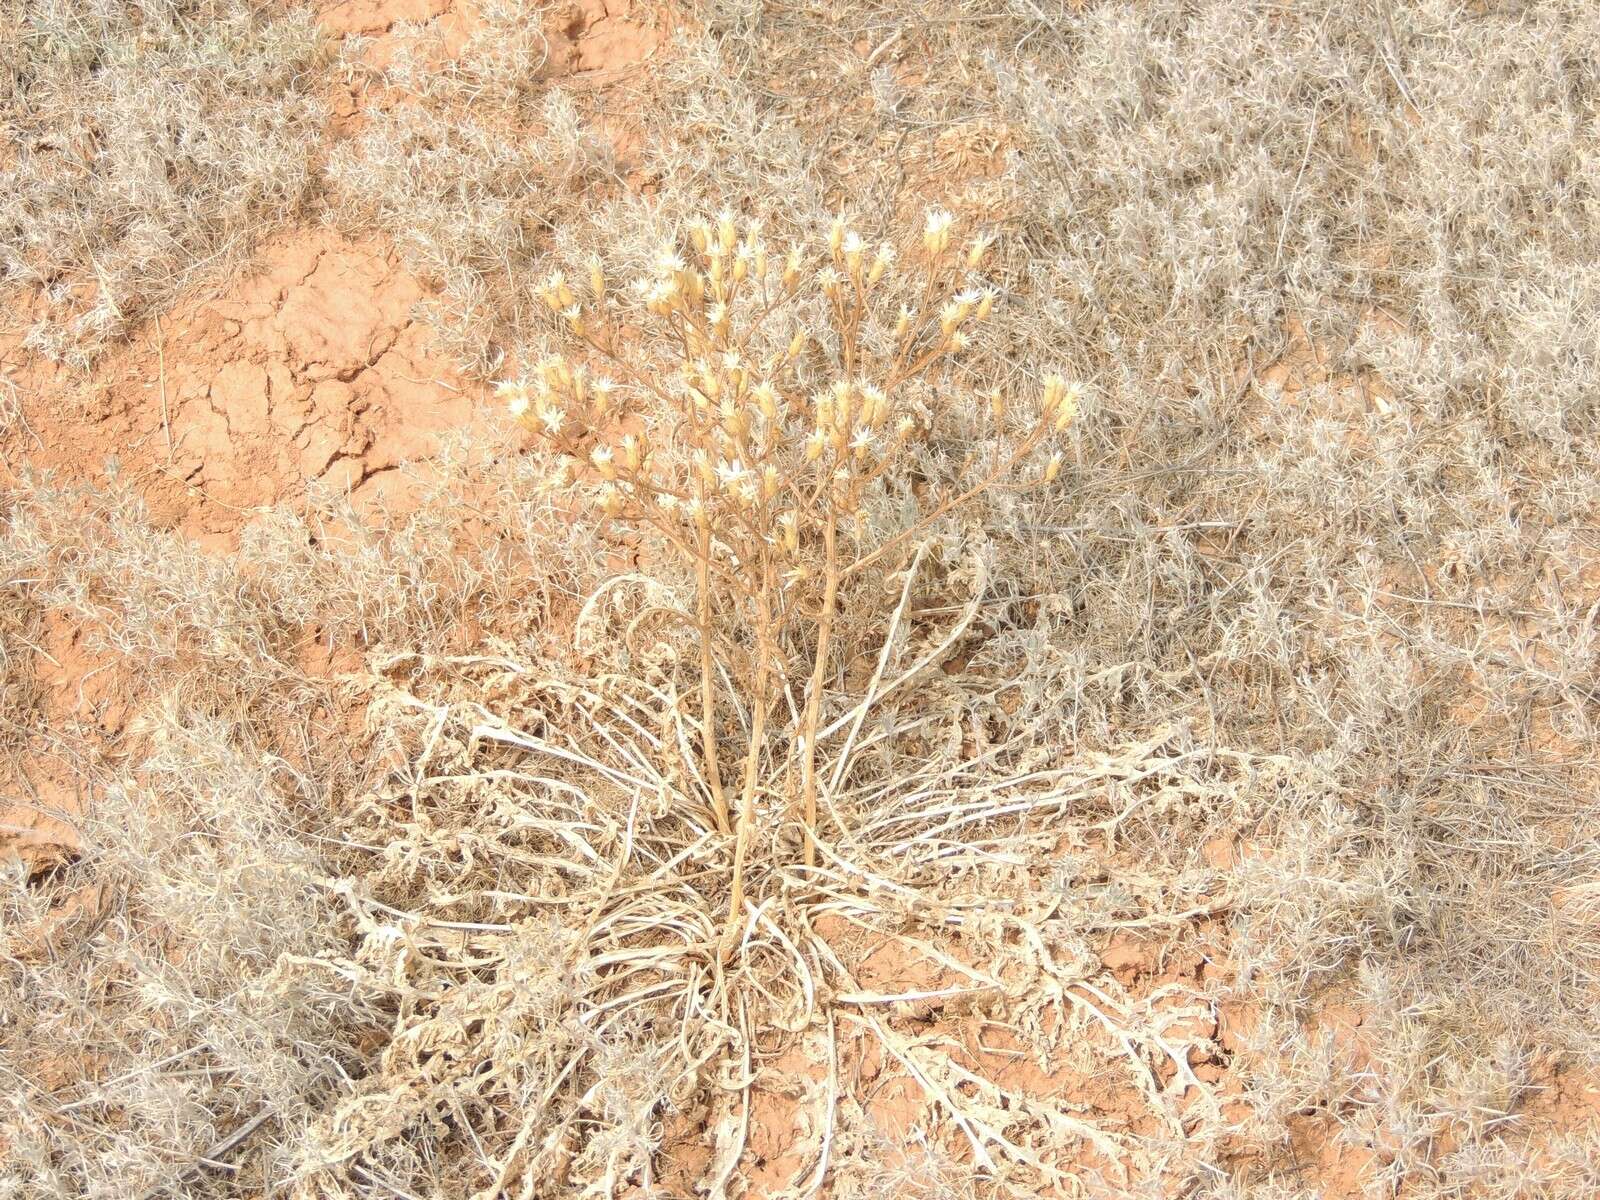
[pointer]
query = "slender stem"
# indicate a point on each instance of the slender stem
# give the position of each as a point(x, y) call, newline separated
point(628, 369)
point(819, 673)
point(754, 321)
point(708, 699)
point(696, 554)
point(924, 320)
point(752, 758)
point(922, 364)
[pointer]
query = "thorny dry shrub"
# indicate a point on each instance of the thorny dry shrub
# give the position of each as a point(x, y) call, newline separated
point(605, 891)
point(141, 146)
point(1401, 591)
point(1387, 575)
point(143, 1042)
point(468, 169)
point(135, 1038)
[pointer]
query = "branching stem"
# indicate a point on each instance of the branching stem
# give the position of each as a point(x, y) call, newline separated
point(819, 673)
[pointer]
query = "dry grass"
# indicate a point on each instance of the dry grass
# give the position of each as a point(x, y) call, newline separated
point(150, 1043)
point(144, 147)
point(1349, 628)
point(137, 1041)
point(469, 170)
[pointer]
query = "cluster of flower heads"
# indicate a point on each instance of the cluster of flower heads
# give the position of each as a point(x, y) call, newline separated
point(750, 457)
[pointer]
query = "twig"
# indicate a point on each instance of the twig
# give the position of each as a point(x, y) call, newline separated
point(161, 369)
point(1294, 190)
point(210, 1157)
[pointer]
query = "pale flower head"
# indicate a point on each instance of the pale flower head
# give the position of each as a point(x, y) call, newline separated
point(880, 262)
point(1071, 400)
point(661, 294)
point(515, 394)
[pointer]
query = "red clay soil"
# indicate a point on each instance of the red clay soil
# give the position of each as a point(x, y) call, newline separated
point(309, 368)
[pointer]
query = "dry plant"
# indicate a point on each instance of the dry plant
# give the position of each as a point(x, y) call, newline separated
point(1337, 498)
point(1377, 586)
point(767, 493)
point(604, 889)
point(143, 1053)
point(467, 167)
point(140, 1055)
point(143, 147)
point(10, 405)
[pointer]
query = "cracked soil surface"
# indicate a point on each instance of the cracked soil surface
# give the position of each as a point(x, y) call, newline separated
point(310, 368)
